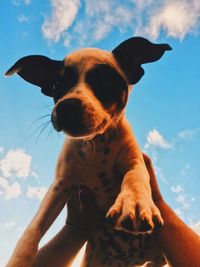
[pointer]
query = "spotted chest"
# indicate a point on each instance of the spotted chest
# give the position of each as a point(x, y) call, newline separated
point(94, 164)
point(109, 247)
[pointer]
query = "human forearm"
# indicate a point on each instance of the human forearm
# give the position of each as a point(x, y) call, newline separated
point(180, 244)
point(62, 249)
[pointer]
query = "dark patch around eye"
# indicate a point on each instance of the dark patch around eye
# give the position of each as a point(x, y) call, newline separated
point(66, 82)
point(107, 84)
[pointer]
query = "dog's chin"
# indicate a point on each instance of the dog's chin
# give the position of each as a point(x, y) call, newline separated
point(78, 135)
point(83, 133)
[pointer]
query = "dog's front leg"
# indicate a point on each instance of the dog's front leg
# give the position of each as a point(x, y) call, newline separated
point(134, 209)
point(52, 204)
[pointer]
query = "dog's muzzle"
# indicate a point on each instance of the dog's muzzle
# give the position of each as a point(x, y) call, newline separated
point(68, 115)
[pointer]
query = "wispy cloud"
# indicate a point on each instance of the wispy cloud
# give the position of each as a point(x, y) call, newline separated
point(177, 188)
point(23, 19)
point(155, 139)
point(196, 227)
point(183, 200)
point(7, 225)
point(36, 192)
point(175, 18)
point(16, 163)
point(18, 2)
point(9, 190)
point(63, 15)
point(99, 18)
point(189, 133)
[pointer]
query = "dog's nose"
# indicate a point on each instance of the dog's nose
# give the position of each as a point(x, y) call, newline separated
point(68, 116)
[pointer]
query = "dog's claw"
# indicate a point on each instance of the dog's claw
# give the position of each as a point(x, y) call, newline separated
point(158, 221)
point(145, 226)
point(135, 215)
point(127, 224)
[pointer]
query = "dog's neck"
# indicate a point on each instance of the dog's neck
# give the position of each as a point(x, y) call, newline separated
point(115, 133)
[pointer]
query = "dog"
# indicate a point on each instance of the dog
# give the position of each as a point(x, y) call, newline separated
point(90, 89)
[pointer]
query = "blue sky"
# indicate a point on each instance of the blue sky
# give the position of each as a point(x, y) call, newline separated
point(164, 107)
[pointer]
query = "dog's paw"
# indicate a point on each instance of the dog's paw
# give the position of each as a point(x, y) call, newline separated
point(135, 214)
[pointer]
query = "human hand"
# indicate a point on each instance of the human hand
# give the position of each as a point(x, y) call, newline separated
point(156, 194)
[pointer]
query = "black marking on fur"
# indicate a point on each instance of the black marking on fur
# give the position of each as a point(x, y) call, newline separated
point(60, 182)
point(65, 83)
point(107, 85)
point(145, 226)
point(102, 138)
point(102, 175)
point(82, 154)
point(112, 136)
point(106, 151)
point(56, 188)
point(106, 182)
point(127, 224)
point(141, 255)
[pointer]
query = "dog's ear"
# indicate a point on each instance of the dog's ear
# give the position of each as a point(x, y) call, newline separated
point(136, 51)
point(38, 70)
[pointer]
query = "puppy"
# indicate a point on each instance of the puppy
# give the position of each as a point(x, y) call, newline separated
point(90, 88)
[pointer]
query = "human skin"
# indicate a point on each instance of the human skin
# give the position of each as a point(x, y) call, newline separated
point(180, 245)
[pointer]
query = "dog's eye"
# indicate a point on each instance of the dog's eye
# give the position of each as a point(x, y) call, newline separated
point(68, 80)
point(58, 90)
point(107, 84)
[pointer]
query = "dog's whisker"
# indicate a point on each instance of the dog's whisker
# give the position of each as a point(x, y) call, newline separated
point(42, 129)
point(36, 130)
point(115, 128)
point(40, 118)
point(50, 131)
point(47, 106)
point(91, 141)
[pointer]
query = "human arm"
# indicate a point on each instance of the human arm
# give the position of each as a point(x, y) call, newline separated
point(180, 244)
point(27, 246)
point(82, 217)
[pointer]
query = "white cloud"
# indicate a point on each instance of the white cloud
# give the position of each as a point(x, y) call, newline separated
point(178, 211)
point(1, 149)
point(176, 18)
point(177, 189)
point(188, 134)
point(98, 18)
point(16, 163)
point(196, 227)
point(156, 140)
point(36, 192)
point(23, 19)
point(9, 190)
point(63, 15)
point(7, 225)
point(18, 2)
point(183, 200)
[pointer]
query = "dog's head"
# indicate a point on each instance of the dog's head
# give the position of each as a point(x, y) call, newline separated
point(90, 87)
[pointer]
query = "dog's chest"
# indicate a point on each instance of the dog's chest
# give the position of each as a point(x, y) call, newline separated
point(94, 164)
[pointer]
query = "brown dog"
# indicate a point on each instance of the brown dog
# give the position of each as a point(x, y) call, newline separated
point(90, 88)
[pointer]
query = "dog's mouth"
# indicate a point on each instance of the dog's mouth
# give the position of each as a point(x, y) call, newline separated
point(70, 117)
point(79, 130)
